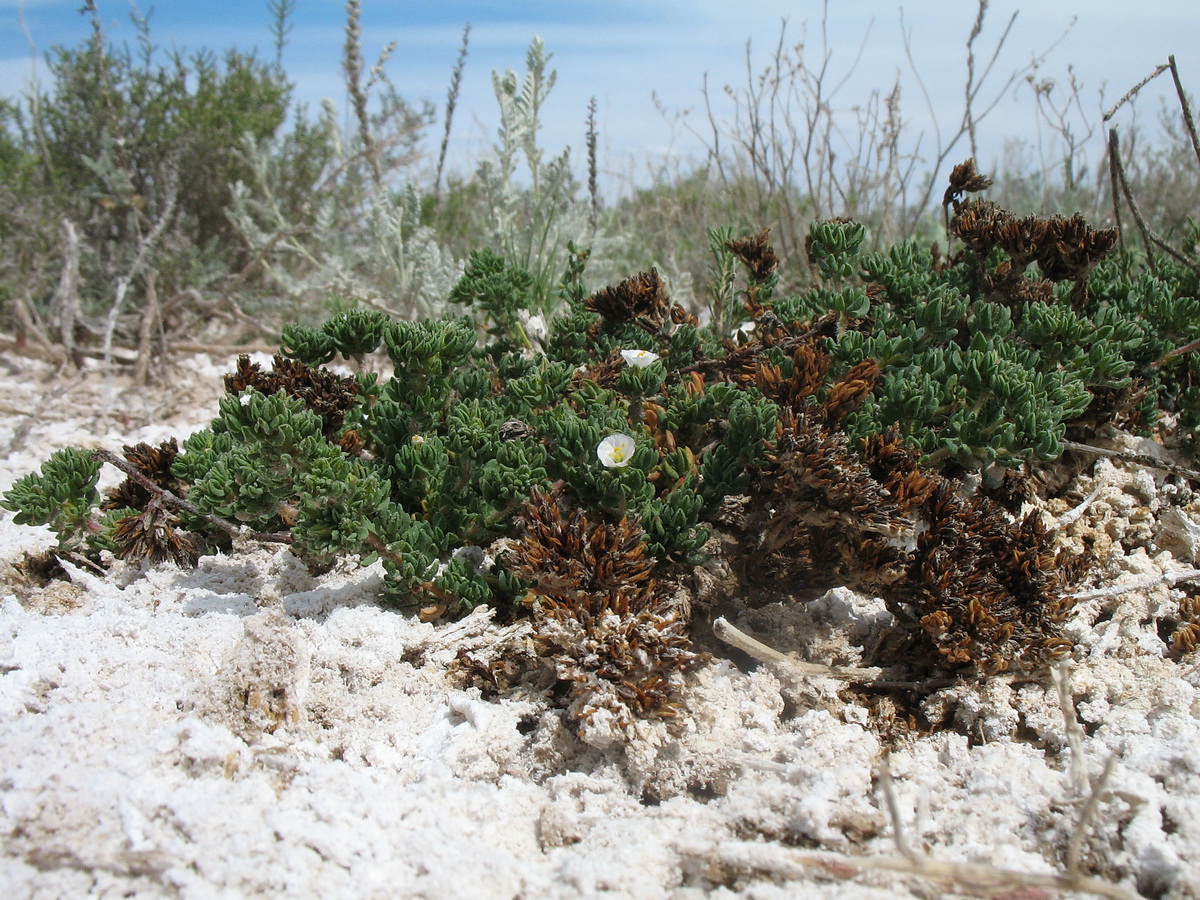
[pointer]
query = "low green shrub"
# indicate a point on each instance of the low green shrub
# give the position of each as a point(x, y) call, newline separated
point(574, 472)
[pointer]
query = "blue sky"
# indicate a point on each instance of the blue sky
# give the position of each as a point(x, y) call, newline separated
point(621, 52)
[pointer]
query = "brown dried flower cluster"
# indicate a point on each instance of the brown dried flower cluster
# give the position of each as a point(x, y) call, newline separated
point(599, 616)
point(1065, 249)
point(1186, 637)
point(154, 463)
point(757, 254)
point(641, 299)
point(988, 590)
point(152, 534)
point(817, 512)
point(965, 179)
point(984, 590)
point(810, 366)
point(325, 393)
point(605, 372)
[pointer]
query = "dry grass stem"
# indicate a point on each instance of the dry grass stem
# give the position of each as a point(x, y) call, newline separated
point(888, 787)
point(975, 879)
point(1132, 92)
point(1170, 579)
point(788, 666)
point(1060, 676)
point(1087, 813)
point(1073, 515)
point(1137, 459)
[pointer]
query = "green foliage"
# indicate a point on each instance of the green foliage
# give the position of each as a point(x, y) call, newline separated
point(833, 247)
point(250, 464)
point(531, 225)
point(726, 468)
point(499, 291)
point(61, 495)
point(976, 365)
point(314, 346)
point(979, 364)
point(138, 148)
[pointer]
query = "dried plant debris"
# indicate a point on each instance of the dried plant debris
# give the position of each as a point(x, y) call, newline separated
point(641, 300)
point(1065, 249)
point(151, 531)
point(153, 536)
point(1186, 636)
point(965, 179)
point(599, 616)
point(984, 590)
point(152, 462)
point(757, 254)
point(325, 393)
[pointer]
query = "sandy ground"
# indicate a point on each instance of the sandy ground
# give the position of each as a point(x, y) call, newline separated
point(246, 729)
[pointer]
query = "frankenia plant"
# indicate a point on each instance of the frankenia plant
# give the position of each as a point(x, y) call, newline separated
point(577, 479)
point(615, 451)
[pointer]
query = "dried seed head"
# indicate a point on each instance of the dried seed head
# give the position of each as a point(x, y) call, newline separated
point(640, 298)
point(757, 254)
point(848, 394)
point(153, 462)
point(151, 537)
point(964, 179)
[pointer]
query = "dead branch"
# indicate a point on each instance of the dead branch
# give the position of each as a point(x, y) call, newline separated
point(66, 296)
point(979, 879)
point(1137, 459)
point(1121, 184)
point(1129, 95)
point(1170, 579)
point(149, 317)
point(170, 499)
point(793, 668)
point(145, 245)
point(1183, 103)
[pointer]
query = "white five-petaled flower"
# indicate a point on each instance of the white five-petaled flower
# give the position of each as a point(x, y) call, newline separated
point(639, 358)
point(615, 450)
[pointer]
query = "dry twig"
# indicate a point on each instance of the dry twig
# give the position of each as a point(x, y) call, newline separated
point(170, 499)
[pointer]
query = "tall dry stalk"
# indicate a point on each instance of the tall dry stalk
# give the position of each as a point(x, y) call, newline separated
point(789, 150)
point(451, 104)
point(1121, 182)
point(352, 66)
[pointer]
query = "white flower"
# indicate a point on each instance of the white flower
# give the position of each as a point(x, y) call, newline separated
point(615, 450)
point(418, 439)
point(639, 358)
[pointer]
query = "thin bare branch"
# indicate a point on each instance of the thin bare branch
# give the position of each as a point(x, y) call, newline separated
point(1132, 92)
point(1183, 104)
point(1137, 459)
point(170, 499)
point(795, 668)
point(1086, 814)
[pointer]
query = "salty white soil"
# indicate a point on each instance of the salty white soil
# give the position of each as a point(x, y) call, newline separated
point(246, 729)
